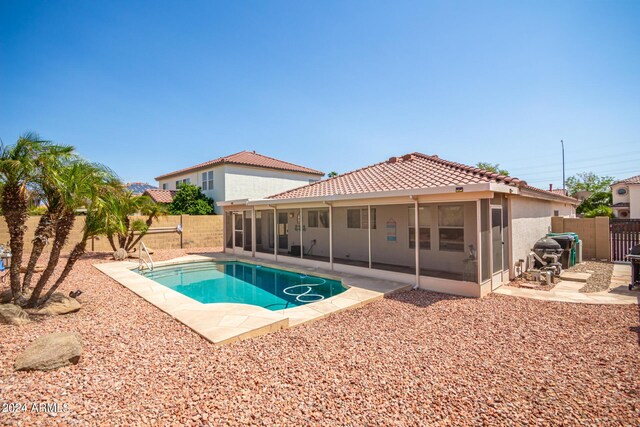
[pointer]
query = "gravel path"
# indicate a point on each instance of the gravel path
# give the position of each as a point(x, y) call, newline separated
point(601, 273)
point(414, 359)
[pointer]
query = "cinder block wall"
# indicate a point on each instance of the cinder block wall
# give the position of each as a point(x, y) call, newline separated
point(594, 233)
point(197, 231)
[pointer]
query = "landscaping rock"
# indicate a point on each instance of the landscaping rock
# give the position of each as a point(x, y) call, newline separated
point(5, 296)
point(59, 304)
point(120, 254)
point(11, 314)
point(37, 269)
point(50, 352)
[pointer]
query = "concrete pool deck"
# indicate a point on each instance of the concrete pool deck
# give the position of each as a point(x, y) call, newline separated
point(223, 323)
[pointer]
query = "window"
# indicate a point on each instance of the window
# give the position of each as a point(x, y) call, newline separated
point(318, 219)
point(313, 219)
point(425, 230)
point(182, 181)
point(622, 191)
point(164, 186)
point(207, 180)
point(556, 213)
point(451, 227)
point(357, 218)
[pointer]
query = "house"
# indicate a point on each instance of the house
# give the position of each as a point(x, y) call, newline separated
point(138, 188)
point(416, 219)
point(244, 175)
point(160, 196)
point(626, 198)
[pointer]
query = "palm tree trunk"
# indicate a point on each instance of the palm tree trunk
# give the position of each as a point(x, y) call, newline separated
point(75, 255)
point(64, 224)
point(15, 208)
point(112, 242)
point(43, 233)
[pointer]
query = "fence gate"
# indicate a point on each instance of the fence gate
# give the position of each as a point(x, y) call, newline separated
point(625, 234)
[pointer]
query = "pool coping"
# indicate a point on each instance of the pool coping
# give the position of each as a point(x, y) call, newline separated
point(223, 323)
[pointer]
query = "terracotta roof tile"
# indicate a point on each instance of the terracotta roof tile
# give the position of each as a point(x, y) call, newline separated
point(622, 205)
point(408, 172)
point(632, 180)
point(248, 158)
point(411, 171)
point(161, 196)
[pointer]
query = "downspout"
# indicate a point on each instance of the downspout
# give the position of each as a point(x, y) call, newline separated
point(416, 224)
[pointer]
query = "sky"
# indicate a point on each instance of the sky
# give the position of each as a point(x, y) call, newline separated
point(151, 87)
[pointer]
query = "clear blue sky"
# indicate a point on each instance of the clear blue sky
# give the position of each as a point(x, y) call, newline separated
point(150, 87)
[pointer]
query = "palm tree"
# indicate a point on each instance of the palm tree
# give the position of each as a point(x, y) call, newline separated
point(79, 184)
point(19, 165)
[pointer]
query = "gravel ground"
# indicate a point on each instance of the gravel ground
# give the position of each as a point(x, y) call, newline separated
point(417, 358)
point(600, 278)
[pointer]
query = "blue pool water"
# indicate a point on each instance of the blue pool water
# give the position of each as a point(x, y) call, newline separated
point(238, 282)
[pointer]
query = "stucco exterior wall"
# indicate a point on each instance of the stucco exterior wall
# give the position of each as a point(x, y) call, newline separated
point(243, 182)
point(233, 182)
point(634, 201)
point(531, 220)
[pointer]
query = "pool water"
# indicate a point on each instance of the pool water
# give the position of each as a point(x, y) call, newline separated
point(238, 282)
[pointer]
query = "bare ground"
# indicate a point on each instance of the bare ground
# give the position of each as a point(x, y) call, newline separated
point(417, 358)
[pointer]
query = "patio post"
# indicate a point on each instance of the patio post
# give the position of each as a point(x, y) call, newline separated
point(479, 242)
point(369, 231)
point(331, 236)
point(253, 232)
point(275, 232)
point(301, 247)
point(417, 239)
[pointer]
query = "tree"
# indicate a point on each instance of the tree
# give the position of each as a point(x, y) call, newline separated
point(190, 200)
point(588, 181)
point(20, 165)
point(491, 167)
point(64, 182)
point(332, 174)
point(121, 231)
point(598, 204)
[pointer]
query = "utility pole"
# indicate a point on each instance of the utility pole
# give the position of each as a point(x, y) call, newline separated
point(563, 177)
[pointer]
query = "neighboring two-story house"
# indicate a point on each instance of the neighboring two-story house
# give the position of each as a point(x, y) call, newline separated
point(244, 175)
point(626, 197)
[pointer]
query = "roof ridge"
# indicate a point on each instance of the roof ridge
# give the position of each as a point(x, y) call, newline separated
point(277, 160)
point(484, 172)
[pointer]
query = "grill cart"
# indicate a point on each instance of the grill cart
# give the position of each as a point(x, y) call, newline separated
point(634, 258)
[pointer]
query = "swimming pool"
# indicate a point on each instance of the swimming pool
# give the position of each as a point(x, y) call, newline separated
point(239, 282)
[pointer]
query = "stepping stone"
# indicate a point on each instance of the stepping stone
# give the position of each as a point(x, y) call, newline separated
point(574, 277)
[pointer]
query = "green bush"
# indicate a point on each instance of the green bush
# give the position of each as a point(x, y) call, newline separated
point(190, 200)
point(599, 211)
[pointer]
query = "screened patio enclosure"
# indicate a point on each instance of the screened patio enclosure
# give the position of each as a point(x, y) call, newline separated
point(465, 241)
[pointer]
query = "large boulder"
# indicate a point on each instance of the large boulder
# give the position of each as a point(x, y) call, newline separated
point(50, 352)
point(59, 304)
point(13, 315)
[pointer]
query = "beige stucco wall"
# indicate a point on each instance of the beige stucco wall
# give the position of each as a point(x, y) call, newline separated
point(531, 220)
point(197, 231)
point(594, 233)
point(634, 201)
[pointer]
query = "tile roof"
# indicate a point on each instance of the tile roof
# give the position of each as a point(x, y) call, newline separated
point(248, 158)
point(561, 191)
point(408, 172)
point(621, 205)
point(139, 187)
point(161, 196)
point(632, 180)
